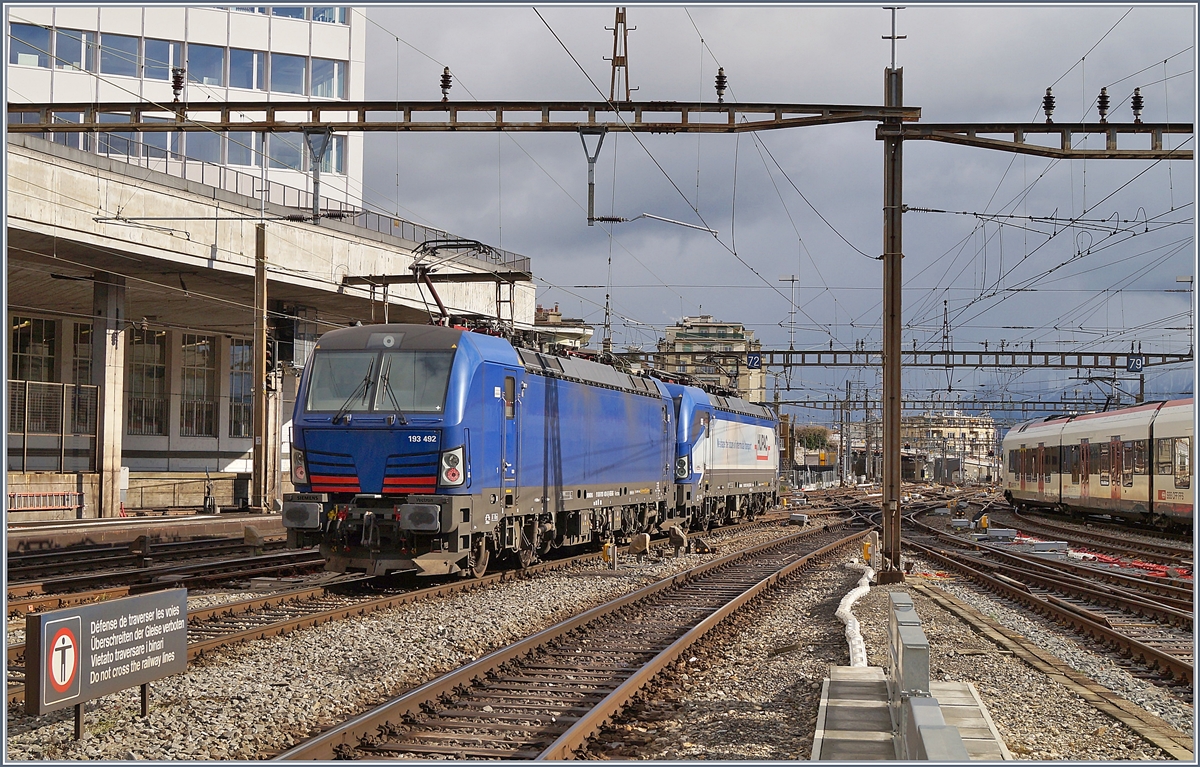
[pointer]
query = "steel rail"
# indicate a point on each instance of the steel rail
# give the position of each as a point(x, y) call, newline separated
point(1161, 553)
point(1151, 656)
point(1179, 597)
point(155, 577)
point(1071, 586)
point(342, 738)
point(197, 648)
point(590, 724)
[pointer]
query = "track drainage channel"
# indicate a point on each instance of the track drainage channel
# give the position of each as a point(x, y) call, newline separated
point(544, 696)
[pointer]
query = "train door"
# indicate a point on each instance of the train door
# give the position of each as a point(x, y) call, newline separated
point(508, 437)
point(1085, 468)
point(1114, 456)
point(1023, 466)
point(1041, 468)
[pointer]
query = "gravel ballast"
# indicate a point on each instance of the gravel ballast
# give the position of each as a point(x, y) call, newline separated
point(756, 696)
point(249, 701)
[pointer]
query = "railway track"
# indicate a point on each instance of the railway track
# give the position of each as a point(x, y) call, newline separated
point(32, 565)
point(165, 576)
point(545, 696)
point(1136, 628)
point(1162, 553)
point(283, 612)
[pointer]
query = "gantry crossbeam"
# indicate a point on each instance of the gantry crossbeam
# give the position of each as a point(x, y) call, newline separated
point(908, 403)
point(935, 359)
point(987, 136)
point(346, 116)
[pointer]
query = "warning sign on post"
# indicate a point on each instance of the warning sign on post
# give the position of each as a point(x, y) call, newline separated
point(82, 653)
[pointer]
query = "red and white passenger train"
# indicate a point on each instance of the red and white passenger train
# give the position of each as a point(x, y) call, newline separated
point(1135, 462)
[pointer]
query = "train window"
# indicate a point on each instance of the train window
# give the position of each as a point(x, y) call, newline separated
point(1012, 462)
point(1073, 461)
point(1164, 455)
point(510, 396)
point(1093, 459)
point(1104, 464)
point(341, 380)
point(1127, 463)
point(1183, 462)
point(1140, 449)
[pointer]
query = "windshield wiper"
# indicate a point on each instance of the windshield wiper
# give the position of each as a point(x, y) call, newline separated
point(359, 391)
point(383, 381)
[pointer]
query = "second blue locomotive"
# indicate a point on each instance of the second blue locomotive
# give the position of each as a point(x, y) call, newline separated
point(433, 450)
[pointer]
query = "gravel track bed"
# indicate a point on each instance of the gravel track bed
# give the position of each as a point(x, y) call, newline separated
point(753, 691)
point(1131, 532)
point(248, 701)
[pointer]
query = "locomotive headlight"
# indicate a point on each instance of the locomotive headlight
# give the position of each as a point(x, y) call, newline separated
point(299, 470)
point(450, 472)
point(681, 467)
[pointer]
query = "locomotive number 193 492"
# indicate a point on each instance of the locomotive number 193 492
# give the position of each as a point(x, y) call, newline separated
point(422, 438)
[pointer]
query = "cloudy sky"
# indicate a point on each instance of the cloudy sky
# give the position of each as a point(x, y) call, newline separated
point(1069, 254)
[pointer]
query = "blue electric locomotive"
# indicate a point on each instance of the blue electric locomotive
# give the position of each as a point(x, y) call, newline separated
point(429, 449)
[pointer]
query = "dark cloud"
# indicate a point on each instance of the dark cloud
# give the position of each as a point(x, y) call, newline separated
point(527, 191)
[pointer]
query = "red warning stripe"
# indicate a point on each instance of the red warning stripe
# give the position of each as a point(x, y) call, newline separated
point(334, 484)
point(409, 483)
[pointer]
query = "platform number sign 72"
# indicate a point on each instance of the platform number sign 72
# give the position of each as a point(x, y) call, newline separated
point(754, 361)
point(1135, 363)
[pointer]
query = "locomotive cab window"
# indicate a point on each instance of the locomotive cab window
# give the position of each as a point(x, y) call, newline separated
point(371, 381)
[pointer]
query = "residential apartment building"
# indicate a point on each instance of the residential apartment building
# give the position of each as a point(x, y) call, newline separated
point(966, 442)
point(78, 54)
point(724, 346)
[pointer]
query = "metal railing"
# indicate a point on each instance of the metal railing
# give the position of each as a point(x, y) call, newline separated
point(198, 418)
point(51, 426)
point(249, 184)
point(145, 416)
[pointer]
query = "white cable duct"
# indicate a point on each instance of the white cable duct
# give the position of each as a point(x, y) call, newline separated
point(858, 650)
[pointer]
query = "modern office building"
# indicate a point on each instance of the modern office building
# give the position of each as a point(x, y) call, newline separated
point(129, 369)
point(78, 54)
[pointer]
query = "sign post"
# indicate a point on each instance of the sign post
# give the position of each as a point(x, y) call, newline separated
point(82, 653)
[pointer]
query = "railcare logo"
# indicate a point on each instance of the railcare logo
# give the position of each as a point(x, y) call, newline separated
point(62, 637)
point(762, 449)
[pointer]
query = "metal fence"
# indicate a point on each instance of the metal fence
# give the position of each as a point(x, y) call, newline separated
point(198, 418)
point(51, 426)
point(146, 416)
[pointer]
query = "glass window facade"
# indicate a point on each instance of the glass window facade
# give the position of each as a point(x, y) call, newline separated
point(119, 55)
point(147, 382)
point(328, 79)
point(247, 69)
point(241, 392)
point(160, 56)
point(81, 353)
point(32, 344)
point(75, 49)
point(244, 148)
point(117, 142)
point(198, 400)
point(205, 147)
point(29, 45)
point(288, 73)
point(205, 64)
point(335, 15)
point(286, 150)
point(291, 12)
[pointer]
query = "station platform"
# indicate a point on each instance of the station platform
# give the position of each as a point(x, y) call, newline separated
point(116, 530)
point(854, 722)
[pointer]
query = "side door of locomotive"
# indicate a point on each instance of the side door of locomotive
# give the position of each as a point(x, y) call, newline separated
point(501, 415)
